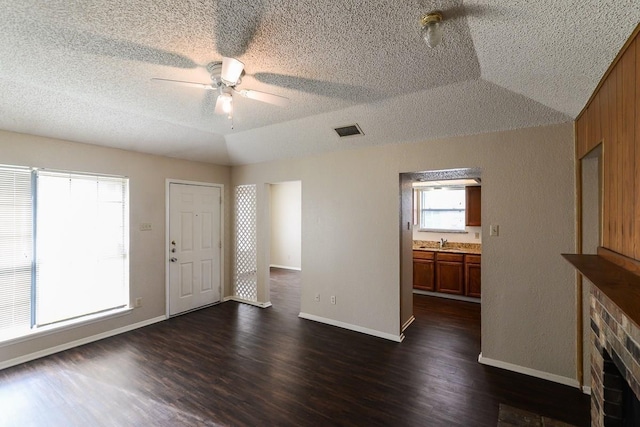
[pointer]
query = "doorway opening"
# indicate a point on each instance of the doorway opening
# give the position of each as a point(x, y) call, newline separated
point(285, 260)
point(440, 237)
point(591, 238)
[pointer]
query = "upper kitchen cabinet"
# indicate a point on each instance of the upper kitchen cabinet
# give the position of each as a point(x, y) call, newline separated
point(473, 201)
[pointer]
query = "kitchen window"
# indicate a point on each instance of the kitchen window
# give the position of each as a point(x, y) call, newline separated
point(441, 209)
point(64, 248)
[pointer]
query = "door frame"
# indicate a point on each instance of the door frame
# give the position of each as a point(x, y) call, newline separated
point(167, 254)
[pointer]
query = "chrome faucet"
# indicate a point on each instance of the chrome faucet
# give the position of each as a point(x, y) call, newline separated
point(443, 242)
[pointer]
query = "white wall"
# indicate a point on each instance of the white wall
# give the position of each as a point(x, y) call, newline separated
point(286, 237)
point(350, 235)
point(147, 175)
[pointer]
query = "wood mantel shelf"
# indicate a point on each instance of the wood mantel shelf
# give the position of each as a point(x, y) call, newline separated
point(620, 285)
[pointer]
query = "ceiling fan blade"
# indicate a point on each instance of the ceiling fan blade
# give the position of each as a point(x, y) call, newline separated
point(231, 70)
point(189, 84)
point(269, 98)
point(337, 90)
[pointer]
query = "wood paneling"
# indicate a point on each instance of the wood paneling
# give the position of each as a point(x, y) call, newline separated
point(626, 185)
point(595, 128)
point(636, 163)
point(613, 118)
point(608, 88)
point(581, 136)
point(616, 167)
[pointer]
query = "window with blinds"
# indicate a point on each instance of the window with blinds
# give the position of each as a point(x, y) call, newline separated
point(63, 249)
point(16, 250)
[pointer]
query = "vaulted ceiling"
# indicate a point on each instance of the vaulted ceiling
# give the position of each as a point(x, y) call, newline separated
point(81, 70)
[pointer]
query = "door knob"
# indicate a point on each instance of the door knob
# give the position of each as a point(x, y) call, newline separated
point(174, 259)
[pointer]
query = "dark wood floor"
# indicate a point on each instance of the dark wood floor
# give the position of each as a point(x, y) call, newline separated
point(239, 365)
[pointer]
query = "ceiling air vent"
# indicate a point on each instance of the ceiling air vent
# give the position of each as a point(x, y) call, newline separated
point(350, 130)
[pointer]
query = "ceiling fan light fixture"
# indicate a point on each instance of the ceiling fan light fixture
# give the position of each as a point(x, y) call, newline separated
point(231, 71)
point(227, 102)
point(431, 30)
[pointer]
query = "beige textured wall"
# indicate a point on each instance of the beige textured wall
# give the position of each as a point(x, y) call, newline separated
point(147, 175)
point(350, 236)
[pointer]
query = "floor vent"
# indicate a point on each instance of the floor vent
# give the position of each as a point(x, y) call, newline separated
point(351, 130)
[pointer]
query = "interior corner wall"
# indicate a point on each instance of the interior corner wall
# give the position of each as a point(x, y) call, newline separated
point(350, 236)
point(147, 179)
point(286, 205)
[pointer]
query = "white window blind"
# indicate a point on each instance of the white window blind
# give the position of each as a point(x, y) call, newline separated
point(16, 243)
point(81, 245)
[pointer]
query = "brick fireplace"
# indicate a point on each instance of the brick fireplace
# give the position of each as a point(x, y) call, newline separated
point(615, 353)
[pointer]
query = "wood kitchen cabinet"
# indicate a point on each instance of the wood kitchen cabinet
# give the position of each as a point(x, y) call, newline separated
point(423, 270)
point(472, 275)
point(473, 199)
point(450, 273)
point(447, 272)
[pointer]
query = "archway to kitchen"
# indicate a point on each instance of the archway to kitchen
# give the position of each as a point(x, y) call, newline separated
point(441, 236)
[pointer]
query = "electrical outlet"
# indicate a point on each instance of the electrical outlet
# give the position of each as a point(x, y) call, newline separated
point(145, 226)
point(317, 298)
point(477, 235)
point(333, 299)
point(138, 302)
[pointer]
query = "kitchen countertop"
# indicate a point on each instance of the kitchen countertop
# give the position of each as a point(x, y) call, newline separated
point(452, 247)
point(452, 250)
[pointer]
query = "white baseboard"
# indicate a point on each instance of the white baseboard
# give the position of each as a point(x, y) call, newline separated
point(77, 343)
point(528, 371)
point(356, 328)
point(408, 322)
point(286, 267)
point(244, 301)
point(447, 296)
point(586, 390)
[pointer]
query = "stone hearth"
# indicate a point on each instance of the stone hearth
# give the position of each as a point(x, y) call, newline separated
point(614, 333)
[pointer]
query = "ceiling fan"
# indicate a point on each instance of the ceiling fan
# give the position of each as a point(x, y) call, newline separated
point(225, 77)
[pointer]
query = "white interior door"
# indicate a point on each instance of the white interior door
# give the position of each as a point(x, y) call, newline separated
point(194, 246)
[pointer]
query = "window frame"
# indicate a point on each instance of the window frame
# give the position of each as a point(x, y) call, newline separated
point(419, 209)
point(22, 332)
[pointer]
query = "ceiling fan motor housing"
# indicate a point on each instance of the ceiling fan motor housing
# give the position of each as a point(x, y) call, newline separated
point(215, 70)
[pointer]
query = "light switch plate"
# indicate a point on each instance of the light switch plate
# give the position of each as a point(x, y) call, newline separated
point(145, 226)
point(494, 230)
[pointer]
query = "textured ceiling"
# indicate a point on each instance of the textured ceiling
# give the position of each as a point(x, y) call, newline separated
point(81, 70)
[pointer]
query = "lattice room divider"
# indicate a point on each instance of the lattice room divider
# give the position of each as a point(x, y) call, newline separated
point(245, 283)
